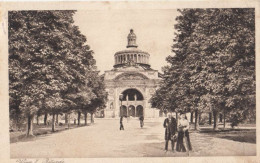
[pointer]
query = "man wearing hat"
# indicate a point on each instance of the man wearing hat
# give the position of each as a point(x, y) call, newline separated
point(170, 126)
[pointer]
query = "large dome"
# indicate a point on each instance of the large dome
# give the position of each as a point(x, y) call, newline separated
point(131, 55)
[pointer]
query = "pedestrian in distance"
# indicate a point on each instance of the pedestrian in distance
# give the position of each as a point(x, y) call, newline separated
point(170, 126)
point(121, 123)
point(141, 118)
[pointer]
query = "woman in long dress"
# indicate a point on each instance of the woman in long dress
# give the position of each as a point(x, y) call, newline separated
point(183, 134)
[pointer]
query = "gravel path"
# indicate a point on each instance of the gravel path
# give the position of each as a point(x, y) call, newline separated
point(104, 139)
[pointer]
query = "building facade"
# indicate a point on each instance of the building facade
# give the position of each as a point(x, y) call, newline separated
point(133, 80)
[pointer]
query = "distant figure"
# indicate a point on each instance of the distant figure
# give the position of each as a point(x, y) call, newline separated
point(183, 133)
point(170, 126)
point(141, 118)
point(121, 123)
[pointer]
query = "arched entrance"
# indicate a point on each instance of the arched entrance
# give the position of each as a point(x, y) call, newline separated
point(139, 111)
point(130, 99)
point(132, 95)
point(131, 110)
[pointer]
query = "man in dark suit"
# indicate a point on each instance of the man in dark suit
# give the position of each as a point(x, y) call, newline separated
point(170, 126)
point(141, 121)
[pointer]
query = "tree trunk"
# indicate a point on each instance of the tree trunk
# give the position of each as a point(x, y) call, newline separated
point(220, 118)
point(57, 118)
point(224, 119)
point(79, 114)
point(191, 117)
point(176, 121)
point(53, 123)
point(68, 121)
point(66, 118)
point(37, 119)
point(29, 131)
point(45, 119)
point(17, 124)
point(210, 118)
point(92, 118)
point(215, 114)
point(196, 120)
point(85, 118)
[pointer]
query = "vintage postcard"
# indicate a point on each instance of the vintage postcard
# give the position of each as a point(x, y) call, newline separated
point(129, 81)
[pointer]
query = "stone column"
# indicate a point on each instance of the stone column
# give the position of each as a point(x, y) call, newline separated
point(145, 101)
point(117, 103)
point(135, 105)
point(127, 105)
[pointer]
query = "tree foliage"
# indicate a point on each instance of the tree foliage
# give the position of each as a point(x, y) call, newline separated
point(213, 68)
point(49, 64)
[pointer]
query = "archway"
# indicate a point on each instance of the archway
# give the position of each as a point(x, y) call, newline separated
point(139, 111)
point(131, 110)
point(132, 95)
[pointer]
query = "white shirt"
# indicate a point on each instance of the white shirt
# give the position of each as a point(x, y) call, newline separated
point(185, 123)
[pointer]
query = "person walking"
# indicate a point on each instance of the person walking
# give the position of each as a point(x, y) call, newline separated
point(170, 130)
point(121, 123)
point(141, 118)
point(183, 134)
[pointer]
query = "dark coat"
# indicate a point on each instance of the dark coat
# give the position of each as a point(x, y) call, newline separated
point(171, 129)
point(121, 120)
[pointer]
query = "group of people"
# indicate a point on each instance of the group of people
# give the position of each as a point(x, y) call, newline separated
point(141, 118)
point(177, 132)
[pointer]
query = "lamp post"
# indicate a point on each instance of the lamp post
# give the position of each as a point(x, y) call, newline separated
point(121, 99)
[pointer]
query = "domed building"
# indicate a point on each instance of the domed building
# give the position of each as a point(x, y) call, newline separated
point(131, 83)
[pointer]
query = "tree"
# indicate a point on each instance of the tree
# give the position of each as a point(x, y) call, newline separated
point(225, 40)
point(97, 84)
point(24, 71)
point(48, 61)
point(213, 69)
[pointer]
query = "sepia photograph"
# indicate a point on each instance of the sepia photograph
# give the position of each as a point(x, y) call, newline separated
point(131, 82)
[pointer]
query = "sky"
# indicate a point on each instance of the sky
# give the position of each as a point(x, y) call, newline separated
point(107, 30)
